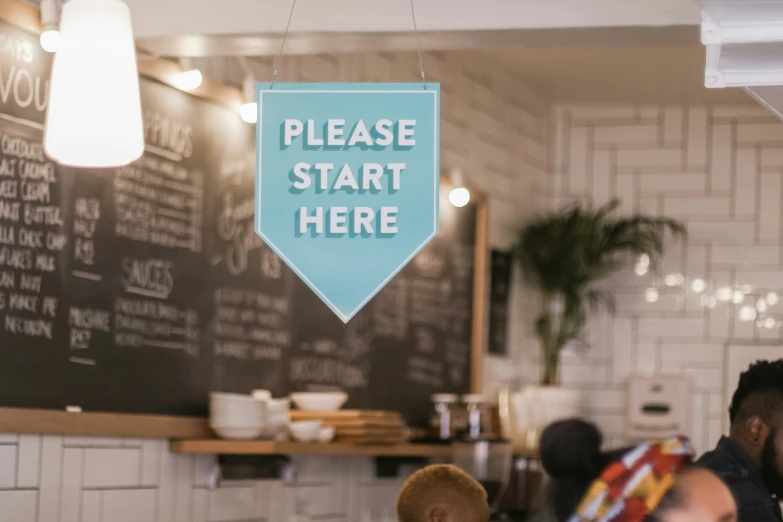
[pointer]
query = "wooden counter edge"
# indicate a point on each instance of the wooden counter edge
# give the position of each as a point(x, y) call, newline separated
point(49, 422)
point(260, 447)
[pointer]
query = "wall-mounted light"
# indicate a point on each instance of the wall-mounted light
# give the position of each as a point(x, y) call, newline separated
point(459, 196)
point(94, 115)
point(50, 29)
point(249, 111)
point(189, 79)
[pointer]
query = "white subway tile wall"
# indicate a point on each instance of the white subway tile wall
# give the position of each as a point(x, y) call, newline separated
point(57, 488)
point(496, 133)
point(719, 170)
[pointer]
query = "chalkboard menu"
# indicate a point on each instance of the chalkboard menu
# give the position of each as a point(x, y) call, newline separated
point(141, 289)
point(499, 292)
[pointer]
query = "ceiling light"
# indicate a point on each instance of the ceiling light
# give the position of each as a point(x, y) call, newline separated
point(94, 115)
point(459, 196)
point(651, 295)
point(772, 298)
point(50, 31)
point(737, 297)
point(708, 301)
point(189, 79)
point(640, 269)
point(761, 306)
point(249, 111)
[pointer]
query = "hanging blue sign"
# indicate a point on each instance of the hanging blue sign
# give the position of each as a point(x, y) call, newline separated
point(347, 182)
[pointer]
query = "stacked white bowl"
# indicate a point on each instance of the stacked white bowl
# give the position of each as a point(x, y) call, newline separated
point(278, 419)
point(236, 416)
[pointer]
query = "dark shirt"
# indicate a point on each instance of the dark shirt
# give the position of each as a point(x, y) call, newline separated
point(732, 464)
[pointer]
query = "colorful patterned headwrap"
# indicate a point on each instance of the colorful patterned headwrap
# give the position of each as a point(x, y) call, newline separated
point(631, 488)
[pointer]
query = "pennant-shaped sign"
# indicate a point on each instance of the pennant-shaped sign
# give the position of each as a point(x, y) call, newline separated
point(347, 182)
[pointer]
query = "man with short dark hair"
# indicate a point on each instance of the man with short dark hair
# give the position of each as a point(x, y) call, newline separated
point(442, 493)
point(750, 459)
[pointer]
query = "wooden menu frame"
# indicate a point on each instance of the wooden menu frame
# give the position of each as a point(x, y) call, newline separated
point(41, 421)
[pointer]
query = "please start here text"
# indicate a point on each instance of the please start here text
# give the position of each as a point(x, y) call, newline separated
point(327, 178)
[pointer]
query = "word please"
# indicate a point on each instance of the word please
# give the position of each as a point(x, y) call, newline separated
point(384, 133)
point(357, 221)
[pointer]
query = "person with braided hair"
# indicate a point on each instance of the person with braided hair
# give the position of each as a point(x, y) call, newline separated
point(651, 482)
point(750, 459)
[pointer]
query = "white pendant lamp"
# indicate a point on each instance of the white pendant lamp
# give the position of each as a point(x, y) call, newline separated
point(94, 115)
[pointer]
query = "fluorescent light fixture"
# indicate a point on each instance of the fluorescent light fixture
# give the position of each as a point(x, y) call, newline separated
point(94, 115)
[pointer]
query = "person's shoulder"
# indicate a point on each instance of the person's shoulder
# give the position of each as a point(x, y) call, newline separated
point(753, 502)
point(756, 511)
point(722, 465)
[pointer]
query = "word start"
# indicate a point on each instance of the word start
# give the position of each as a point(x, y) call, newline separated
point(330, 178)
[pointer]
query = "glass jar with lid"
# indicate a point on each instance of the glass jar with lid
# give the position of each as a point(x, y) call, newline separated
point(442, 422)
point(479, 424)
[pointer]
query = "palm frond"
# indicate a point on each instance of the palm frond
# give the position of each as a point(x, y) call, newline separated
point(567, 252)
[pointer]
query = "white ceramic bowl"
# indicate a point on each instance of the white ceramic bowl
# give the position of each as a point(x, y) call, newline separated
point(237, 432)
point(326, 434)
point(230, 397)
point(319, 401)
point(240, 409)
point(305, 431)
point(262, 395)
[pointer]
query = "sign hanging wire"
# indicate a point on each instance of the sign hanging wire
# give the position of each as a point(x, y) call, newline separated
point(418, 46)
point(415, 31)
point(282, 45)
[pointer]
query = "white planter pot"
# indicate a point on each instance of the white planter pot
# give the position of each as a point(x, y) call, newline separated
point(536, 407)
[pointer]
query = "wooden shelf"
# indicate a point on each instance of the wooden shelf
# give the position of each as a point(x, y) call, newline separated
point(22, 420)
point(263, 447)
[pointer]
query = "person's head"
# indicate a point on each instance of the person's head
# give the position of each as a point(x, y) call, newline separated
point(648, 483)
point(756, 415)
point(442, 493)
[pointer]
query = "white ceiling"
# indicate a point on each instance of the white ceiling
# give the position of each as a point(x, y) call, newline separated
point(315, 16)
point(258, 19)
point(574, 50)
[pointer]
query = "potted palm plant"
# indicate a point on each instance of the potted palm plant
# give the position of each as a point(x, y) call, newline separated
point(565, 255)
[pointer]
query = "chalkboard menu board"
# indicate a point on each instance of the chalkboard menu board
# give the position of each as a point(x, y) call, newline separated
point(141, 289)
point(499, 292)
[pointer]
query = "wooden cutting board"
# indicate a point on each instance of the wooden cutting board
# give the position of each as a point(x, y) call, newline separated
point(363, 430)
point(380, 441)
point(345, 414)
